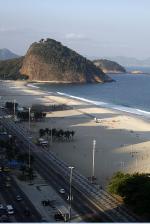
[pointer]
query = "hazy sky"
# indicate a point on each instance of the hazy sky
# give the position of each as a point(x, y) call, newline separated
point(91, 27)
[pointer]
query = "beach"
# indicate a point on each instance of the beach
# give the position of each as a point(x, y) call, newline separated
point(122, 139)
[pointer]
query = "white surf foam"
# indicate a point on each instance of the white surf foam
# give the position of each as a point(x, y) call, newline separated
point(33, 86)
point(131, 110)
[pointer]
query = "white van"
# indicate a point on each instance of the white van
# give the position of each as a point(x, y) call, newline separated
point(10, 209)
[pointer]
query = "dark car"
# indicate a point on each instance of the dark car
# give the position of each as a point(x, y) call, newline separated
point(19, 198)
point(58, 217)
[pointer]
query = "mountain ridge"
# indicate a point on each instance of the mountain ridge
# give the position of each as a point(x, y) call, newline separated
point(6, 54)
point(109, 66)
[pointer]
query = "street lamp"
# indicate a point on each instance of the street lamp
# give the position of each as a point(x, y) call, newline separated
point(70, 191)
point(29, 117)
point(14, 108)
point(51, 136)
point(29, 141)
point(29, 164)
point(93, 160)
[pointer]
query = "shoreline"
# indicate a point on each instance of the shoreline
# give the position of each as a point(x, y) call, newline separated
point(114, 107)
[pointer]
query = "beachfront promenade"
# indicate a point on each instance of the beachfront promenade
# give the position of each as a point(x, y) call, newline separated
point(90, 202)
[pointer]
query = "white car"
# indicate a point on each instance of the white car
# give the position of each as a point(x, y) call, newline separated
point(62, 191)
point(10, 209)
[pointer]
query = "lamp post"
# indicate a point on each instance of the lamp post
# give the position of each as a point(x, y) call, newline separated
point(51, 136)
point(70, 191)
point(29, 141)
point(29, 162)
point(29, 117)
point(29, 156)
point(93, 160)
point(14, 108)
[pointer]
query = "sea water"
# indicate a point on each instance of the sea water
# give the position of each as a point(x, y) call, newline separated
point(129, 92)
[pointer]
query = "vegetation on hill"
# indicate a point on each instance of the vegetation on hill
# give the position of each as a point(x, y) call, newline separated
point(135, 190)
point(9, 69)
point(49, 60)
point(109, 66)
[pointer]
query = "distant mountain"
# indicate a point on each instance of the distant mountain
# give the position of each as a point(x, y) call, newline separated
point(108, 66)
point(130, 61)
point(49, 60)
point(6, 54)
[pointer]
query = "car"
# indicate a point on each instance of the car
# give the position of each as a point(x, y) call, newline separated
point(7, 169)
point(58, 217)
point(3, 133)
point(8, 184)
point(19, 198)
point(1, 206)
point(62, 191)
point(10, 209)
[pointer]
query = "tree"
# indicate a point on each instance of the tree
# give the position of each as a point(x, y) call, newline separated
point(135, 190)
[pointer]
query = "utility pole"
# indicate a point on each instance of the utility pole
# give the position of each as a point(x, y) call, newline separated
point(29, 117)
point(29, 141)
point(70, 191)
point(93, 160)
point(14, 108)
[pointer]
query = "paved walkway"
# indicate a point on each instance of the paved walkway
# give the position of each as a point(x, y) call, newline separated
point(38, 191)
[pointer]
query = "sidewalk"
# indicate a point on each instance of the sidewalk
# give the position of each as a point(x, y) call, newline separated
point(38, 191)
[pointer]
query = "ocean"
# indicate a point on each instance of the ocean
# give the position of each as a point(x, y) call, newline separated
point(130, 93)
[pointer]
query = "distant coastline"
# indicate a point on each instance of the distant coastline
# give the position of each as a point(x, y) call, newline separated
point(138, 72)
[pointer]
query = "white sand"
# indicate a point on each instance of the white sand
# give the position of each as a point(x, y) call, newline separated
point(122, 140)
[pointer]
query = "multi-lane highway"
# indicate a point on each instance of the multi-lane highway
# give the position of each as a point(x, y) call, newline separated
point(92, 204)
point(9, 196)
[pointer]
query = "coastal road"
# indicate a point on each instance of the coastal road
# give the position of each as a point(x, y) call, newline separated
point(9, 197)
point(98, 203)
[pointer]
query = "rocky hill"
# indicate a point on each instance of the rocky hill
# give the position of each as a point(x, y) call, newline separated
point(6, 54)
point(9, 69)
point(108, 66)
point(49, 60)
